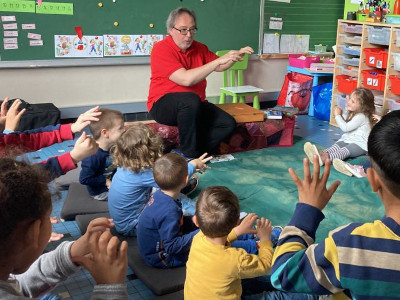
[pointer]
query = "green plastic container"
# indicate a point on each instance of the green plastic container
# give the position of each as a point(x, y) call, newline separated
point(361, 17)
point(392, 19)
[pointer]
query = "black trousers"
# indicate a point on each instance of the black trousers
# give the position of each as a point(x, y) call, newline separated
point(202, 125)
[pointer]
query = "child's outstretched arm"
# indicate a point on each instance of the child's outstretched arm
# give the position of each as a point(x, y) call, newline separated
point(200, 163)
point(299, 265)
point(59, 165)
point(13, 116)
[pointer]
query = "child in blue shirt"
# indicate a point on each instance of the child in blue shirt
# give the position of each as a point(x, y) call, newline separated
point(134, 154)
point(163, 243)
point(96, 169)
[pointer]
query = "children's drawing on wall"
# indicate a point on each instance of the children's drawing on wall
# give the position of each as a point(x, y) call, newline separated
point(126, 45)
point(73, 46)
point(110, 45)
point(62, 45)
point(137, 47)
point(152, 39)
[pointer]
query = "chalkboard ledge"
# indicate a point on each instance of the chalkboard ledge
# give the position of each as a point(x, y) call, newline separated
point(79, 62)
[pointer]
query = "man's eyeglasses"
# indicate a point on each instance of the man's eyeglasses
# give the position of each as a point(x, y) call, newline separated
point(185, 31)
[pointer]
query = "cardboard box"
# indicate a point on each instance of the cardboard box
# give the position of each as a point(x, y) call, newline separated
point(242, 112)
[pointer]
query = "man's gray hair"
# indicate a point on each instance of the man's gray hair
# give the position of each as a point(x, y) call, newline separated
point(176, 13)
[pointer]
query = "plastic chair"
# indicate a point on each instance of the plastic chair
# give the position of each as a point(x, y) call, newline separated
point(233, 83)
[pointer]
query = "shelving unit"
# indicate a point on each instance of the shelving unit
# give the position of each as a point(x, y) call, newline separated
point(355, 68)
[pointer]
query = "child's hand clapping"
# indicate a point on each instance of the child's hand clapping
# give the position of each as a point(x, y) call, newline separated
point(107, 262)
point(264, 229)
point(200, 163)
point(247, 225)
point(85, 119)
point(84, 147)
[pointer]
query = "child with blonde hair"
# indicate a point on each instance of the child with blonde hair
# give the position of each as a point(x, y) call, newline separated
point(134, 154)
point(356, 123)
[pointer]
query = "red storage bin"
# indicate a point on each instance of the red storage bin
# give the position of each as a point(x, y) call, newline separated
point(346, 84)
point(376, 57)
point(374, 79)
point(395, 83)
point(294, 60)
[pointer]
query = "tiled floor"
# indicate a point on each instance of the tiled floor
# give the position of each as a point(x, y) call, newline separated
point(81, 285)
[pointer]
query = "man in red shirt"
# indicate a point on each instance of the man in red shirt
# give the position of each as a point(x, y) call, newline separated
point(179, 67)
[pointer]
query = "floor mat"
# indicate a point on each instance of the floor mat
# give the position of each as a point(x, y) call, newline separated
point(261, 180)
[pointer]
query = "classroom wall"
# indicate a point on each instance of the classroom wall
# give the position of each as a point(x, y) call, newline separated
point(68, 87)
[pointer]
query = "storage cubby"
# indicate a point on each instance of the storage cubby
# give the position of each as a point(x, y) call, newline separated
point(368, 55)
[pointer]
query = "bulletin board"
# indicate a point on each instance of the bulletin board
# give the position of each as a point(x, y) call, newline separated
point(222, 24)
point(306, 17)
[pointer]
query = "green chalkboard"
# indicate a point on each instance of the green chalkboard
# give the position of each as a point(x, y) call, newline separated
point(317, 18)
point(222, 24)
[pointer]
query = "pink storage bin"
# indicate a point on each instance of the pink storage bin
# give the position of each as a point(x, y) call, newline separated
point(294, 60)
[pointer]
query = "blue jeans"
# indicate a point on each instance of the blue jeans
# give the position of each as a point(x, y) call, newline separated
point(260, 288)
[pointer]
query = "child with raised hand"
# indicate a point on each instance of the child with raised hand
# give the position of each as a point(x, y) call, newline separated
point(97, 170)
point(25, 207)
point(356, 123)
point(215, 269)
point(164, 234)
point(135, 154)
point(357, 260)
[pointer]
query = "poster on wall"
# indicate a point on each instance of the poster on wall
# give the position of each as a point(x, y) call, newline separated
point(72, 46)
point(130, 45)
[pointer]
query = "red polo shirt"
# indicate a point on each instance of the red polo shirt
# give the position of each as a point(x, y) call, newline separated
point(166, 58)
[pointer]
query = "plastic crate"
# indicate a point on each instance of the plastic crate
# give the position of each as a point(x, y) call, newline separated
point(397, 32)
point(395, 84)
point(320, 48)
point(295, 61)
point(392, 19)
point(355, 39)
point(378, 35)
point(376, 57)
point(341, 101)
point(351, 61)
point(361, 17)
point(374, 79)
point(396, 59)
point(346, 84)
point(350, 50)
point(394, 104)
point(378, 99)
point(352, 28)
point(352, 72)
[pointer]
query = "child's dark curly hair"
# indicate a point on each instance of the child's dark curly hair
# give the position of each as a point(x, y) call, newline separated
point(24, 197)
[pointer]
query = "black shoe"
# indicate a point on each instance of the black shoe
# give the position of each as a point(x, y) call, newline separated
point(191, 185)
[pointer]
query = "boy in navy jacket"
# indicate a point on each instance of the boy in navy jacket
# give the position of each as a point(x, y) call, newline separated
point(161, 228)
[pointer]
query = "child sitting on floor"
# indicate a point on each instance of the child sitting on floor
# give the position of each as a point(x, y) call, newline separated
point(214, 269)
point(134, 154)
point(164, 235)
point(357, 260)
point(97, 169)
point(356, 123)
point(25, 207)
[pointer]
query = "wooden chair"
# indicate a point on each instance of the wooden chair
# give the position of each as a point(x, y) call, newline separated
point(233, 83)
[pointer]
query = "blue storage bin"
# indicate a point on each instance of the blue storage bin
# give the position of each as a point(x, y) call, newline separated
point(352, 50)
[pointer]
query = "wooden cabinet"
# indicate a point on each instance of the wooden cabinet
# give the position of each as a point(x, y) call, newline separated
point(367, 55)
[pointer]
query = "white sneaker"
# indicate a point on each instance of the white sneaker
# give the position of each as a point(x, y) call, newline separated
point(311, 150)
point(340, 166)
point(356, 170)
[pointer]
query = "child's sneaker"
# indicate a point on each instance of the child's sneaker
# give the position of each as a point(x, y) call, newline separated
point(191, 185)
point(311, 150)
point(340, 166)
point(275, 233)
point(356, 170)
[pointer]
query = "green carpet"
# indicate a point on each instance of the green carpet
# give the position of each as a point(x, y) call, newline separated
point(263, 185)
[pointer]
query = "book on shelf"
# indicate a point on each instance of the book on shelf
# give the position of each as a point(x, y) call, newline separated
point(273, 114)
